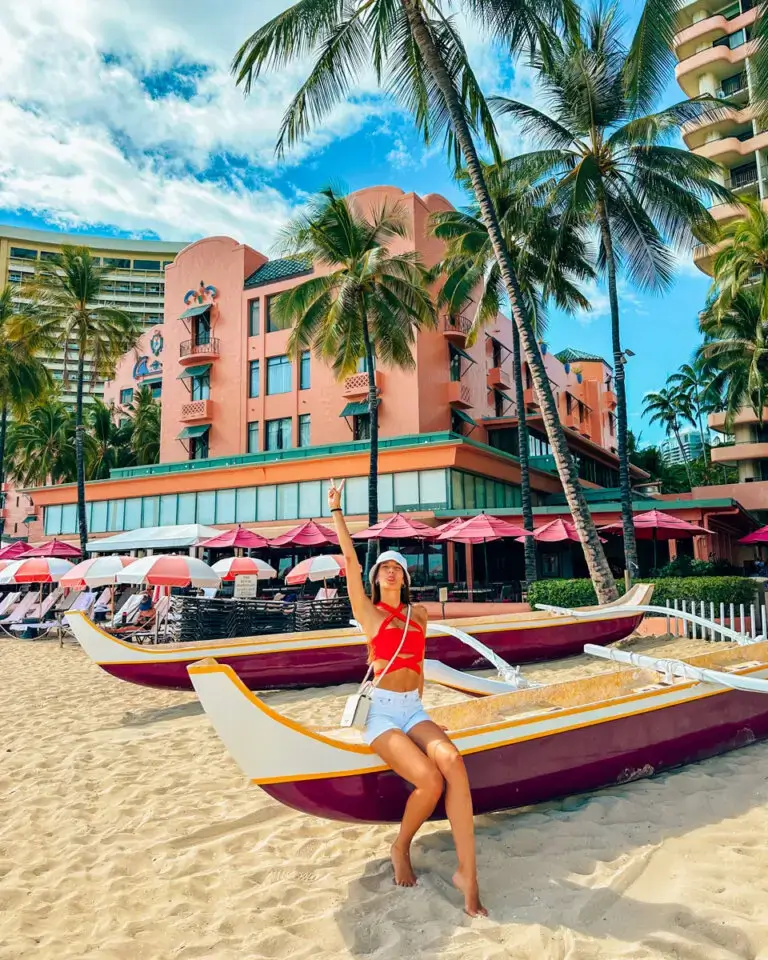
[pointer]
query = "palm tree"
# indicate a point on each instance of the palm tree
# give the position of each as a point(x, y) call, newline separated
point(66, 290)
point(23, 376)
point(145, 427)
point(417, 52)
point(670, 408)
point(610, 165)
point(41, 446)
point(698, 384)
point(743, 259)
point(548, 256)
point(369, 306)
point(108, 442)
point(735, 348)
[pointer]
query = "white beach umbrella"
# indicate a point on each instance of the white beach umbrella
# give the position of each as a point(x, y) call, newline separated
point(231, 567)
point(35, 570)
point(95, 572)
point(170, 570)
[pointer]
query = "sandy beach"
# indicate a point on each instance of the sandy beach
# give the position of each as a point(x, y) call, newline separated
point(127, 833)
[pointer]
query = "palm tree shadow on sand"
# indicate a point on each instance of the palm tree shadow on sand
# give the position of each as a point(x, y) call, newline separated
point(531, 863)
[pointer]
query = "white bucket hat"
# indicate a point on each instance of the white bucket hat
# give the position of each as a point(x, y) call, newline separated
point(383, 558)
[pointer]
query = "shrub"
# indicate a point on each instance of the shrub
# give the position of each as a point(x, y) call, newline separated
point(684, 566)
point(581, 593)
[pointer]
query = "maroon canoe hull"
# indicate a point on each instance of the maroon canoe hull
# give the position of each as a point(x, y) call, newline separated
point(325, 666)
point(553, 766)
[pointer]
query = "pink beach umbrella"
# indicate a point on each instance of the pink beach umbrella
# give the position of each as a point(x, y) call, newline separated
point(556, 531)
point(231, 567)
point(757, 536)
point(96, 572)
point(397, 527)
point(13, 550)
point(54, 548)
point(483, 528)
point(35, 570)
point(324, 567)
point(239, 538)
point(170, 570)
point(308, 534)
point(656, 525)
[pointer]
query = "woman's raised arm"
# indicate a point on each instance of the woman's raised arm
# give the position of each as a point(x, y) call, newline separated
point(362, 608)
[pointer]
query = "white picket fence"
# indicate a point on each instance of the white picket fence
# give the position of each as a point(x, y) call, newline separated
point(751, 621)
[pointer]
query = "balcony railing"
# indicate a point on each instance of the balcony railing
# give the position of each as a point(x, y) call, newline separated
point(456, 327)
point(733, 85)
point(741, 179)
point(200, 345)
point(196, 410)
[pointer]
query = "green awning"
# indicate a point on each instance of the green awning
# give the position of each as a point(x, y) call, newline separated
point(30, 519)
point(505, 396)
point(355, 409)
point(463, 354)
point(195, 311)
point(197, 371)
point(156, 379)
point(463, 416)
point(192, 433)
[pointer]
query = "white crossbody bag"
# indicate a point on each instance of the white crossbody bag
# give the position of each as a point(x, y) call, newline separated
point(358, 706)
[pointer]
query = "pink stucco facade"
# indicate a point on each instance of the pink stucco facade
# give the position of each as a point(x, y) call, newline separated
point(412, 402)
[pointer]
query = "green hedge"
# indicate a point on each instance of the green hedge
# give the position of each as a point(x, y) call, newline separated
point(581, 593)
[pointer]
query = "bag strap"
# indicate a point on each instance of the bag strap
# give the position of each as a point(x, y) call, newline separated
point(394, 655)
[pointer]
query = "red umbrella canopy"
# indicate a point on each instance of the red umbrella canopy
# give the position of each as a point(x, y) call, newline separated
point(556, 530)
point(308, 534)
point(481, 528)
point(238, 537)
point(757, 536)
point(657, 525)
point(54, 548)
point(397, 527)
point(14, 550)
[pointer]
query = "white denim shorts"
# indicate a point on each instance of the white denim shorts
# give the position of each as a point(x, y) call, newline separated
point(393, 711)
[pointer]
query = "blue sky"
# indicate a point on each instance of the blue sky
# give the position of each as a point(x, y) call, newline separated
point(122, 119)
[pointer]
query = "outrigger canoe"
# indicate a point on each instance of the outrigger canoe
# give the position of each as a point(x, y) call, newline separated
point(323, 657)
point(520, 748)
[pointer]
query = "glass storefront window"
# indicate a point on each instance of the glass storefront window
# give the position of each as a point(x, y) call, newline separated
point(266, 504)
point(116, 515)
point(356, 493)
point(186, 508)
point(310, 496)
point(386, 493)
point(287, 501)
point(206, 506)
point(225, 506)
point(432, 488)
point(406, 489)
point(245, 507)
point(132, 517)
point(168, 510)
point(52, 524)
point(69, 518)
point(99, 517)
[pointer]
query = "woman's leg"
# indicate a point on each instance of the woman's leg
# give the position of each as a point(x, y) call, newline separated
point(410, 763)
point(458, 806)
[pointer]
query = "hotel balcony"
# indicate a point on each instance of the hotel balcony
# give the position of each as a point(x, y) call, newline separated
point(610, 399)
point(709, 30)
point(735, 149)
point(196, 410)
point(529, 398)
point(200, 348)
point(459, 394)
point(456, 329)
point(357, 385)
point(719, 61)
point(745, 416)
point(735, 452)
point(498, 379)
point(728, 122)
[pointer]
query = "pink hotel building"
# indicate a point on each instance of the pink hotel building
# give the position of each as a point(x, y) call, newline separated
point(249, 434)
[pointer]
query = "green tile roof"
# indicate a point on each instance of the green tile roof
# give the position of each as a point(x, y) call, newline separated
point(569, 355)
point(274, 270)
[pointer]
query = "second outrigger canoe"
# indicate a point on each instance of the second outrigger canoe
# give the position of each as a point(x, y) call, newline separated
point(324, 657)
point(519, 748)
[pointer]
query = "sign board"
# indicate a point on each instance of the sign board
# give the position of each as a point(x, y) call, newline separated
point(246, 585)
point(442, 594)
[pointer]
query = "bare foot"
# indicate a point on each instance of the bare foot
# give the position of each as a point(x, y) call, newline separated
point(468, 886)
point(401, 862)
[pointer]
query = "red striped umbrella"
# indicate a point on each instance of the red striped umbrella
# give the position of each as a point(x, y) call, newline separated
point(231, 567)
point(95, 572)
point(325, 567)
point(54, 548)
point(239, 537)
point(170, 570)
point(35, 570)
point(308, 534)
point(397, 527)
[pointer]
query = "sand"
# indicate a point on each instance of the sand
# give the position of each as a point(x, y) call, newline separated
point(127, 833)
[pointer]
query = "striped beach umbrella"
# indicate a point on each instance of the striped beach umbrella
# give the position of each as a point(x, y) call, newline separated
point(95, 572)
point(170, 570)
point(324, 567)
point(231, 567)
point(35, 570)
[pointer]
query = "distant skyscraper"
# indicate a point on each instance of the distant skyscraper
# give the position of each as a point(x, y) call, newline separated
point(692, 448)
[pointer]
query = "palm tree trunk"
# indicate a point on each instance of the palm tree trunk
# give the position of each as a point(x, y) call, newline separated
point(523, 454)
point(681, 448)
point(703, 445)
point(3, 431)
point(80, 453)
point(373, 466)
point(627, 524)
point(605, 585)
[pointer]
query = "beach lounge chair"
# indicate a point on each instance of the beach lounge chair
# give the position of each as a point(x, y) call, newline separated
point(21, 609)
point(143, 628)
point(327, 593)
point(7, 603)
point(127, 612)
point(51, 619)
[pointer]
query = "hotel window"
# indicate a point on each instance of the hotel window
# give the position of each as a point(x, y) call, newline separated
point(198, 448)
point(361, 426)
point(157, 390)
point(146, 264)
point(528, 378)
point(304, 376)
point(496, 353)
point(455, 364)
point(498, 403)
point(48, 255)
point(126, 396)
point(117, 263)
point(457, 424)
point(253, 379)
point(278, 435)
point(254, 317)
point(568, 403)
point(278, 375)
point(273, 323)
point(201, 386)
point(304, 427)
point(22, 253)
point(253, 436)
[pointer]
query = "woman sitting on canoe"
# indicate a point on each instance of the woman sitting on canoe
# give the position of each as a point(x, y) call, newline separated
point(398, 729)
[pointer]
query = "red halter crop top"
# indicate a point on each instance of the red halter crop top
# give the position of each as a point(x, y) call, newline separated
point(388, 638)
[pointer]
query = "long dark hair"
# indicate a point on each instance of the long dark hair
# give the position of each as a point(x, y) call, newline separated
point(405, 591)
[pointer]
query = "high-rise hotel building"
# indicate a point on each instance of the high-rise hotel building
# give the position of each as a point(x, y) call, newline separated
point(135, 281)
